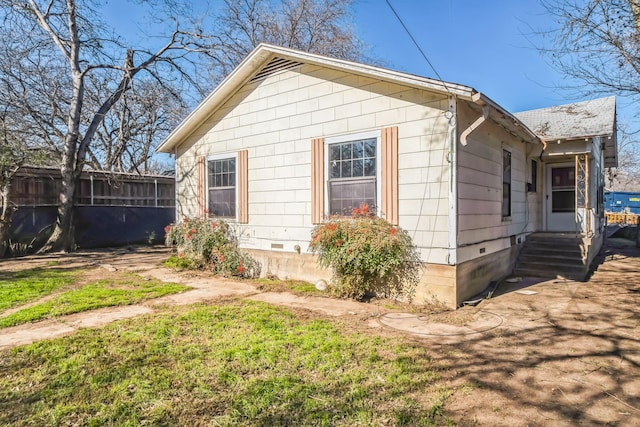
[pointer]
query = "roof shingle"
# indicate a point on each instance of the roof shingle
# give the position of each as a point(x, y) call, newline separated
point(570, 121)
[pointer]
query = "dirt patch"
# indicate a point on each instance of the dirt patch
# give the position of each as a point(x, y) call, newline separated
point(131, 259)
point(328, 306)
point(547, 353)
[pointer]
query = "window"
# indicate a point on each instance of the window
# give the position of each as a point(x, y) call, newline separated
point(221, 180)
point(352, 171)
point(347, 171)
point(563, 189)
point(534, 176)
point(506, 183)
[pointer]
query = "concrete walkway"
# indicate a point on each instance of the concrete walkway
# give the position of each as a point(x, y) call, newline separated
point(511, 307)
point(546, 353)
point(205, 288)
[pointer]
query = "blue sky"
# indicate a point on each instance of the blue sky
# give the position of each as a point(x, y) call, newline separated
point(485, 44)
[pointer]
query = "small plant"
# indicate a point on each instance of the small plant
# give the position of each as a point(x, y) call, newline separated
point(203, 243)
point(368, 255)
point(18, 249)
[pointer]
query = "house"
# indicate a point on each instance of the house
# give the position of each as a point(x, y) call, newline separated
point(290, 137)
point(579, 142)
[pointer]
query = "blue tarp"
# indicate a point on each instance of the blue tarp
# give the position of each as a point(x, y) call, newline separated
point(95, 226)
point(622, 201)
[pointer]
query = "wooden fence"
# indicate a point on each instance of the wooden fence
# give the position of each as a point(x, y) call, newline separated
point(111, 209)
point(621, 218)
point(41, 187)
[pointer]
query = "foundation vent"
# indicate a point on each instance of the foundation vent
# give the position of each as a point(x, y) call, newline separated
point(274, 66)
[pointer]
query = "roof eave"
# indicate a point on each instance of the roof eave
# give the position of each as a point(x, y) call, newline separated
point(505, 119)
point(263, 53)
point(219, 95)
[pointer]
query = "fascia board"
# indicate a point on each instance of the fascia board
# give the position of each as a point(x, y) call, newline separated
point(261, 54)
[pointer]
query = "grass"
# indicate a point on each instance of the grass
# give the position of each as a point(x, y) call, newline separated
point(243, 363)
point(17, 288)
point(179, 263)
point(294, 286)
point(124, 290)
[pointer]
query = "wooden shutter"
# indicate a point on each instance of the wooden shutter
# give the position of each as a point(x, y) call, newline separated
point(317, 180)
point(243, 187)
point(389, 174)
point(201, 185)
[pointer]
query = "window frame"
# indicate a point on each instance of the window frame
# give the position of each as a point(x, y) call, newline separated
point(505, 151)
point(224, 156)
point(534, 176)
point(341, 139)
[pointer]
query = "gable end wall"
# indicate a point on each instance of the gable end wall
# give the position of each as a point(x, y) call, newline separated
point(276, 118)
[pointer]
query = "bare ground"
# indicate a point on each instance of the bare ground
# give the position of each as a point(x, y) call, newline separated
point(539, 353)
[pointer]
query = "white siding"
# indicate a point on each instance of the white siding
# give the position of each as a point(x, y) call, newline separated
point(276, 118)
point(480, 221)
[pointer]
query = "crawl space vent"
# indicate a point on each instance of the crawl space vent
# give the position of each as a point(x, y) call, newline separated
point(275, 66)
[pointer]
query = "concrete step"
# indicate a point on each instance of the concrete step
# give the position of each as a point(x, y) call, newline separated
point(542, 267)
point(554, 245)
point(552, 255)
point(558, 258)
point(546, 268)
point(534, 272)
point(552, 251)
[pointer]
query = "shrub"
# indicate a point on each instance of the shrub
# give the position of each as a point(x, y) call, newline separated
point(367, 255)
point(212, 245)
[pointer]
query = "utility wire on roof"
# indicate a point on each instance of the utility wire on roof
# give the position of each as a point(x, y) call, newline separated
point(418, 46)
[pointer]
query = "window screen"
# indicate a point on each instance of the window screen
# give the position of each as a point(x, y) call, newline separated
point(222, 187)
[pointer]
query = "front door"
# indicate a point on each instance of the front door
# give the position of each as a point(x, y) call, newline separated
point(561, 198)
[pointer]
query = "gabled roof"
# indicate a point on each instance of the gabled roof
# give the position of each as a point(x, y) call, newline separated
point(265, 56)
point(579, 120)
point(571, 121)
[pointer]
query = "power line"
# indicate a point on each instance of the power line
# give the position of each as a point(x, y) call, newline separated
point(418, 46)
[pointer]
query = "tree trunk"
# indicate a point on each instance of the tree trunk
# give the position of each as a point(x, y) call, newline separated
point(5, 219)
point(63, 236)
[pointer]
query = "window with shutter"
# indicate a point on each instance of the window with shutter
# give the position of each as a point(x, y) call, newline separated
point(360, 170)
point(227, 186)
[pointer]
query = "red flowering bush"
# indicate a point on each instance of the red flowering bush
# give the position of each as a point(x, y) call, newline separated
point(367, 255)
point(213, 245)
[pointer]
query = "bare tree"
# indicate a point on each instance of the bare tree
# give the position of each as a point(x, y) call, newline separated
point(130, 132)
point(597, 43)
point(21, 138)
point(97, 100)
point(626, 177)
point(15, 152)
point(317, 26)
point(68, 38)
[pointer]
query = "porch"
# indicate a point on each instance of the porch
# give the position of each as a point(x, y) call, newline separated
point(552, 255)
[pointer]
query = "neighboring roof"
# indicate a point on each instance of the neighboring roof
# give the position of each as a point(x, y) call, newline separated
point(265, 56)
point(579, 120)
point(586, 119)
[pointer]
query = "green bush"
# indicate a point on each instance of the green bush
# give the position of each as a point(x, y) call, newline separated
point(368, 256)
point(209, 244)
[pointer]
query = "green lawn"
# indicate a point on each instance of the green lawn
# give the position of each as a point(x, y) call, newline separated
point(17, 288)
point(295, 286)
point(242, 363)
point(125, 290)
